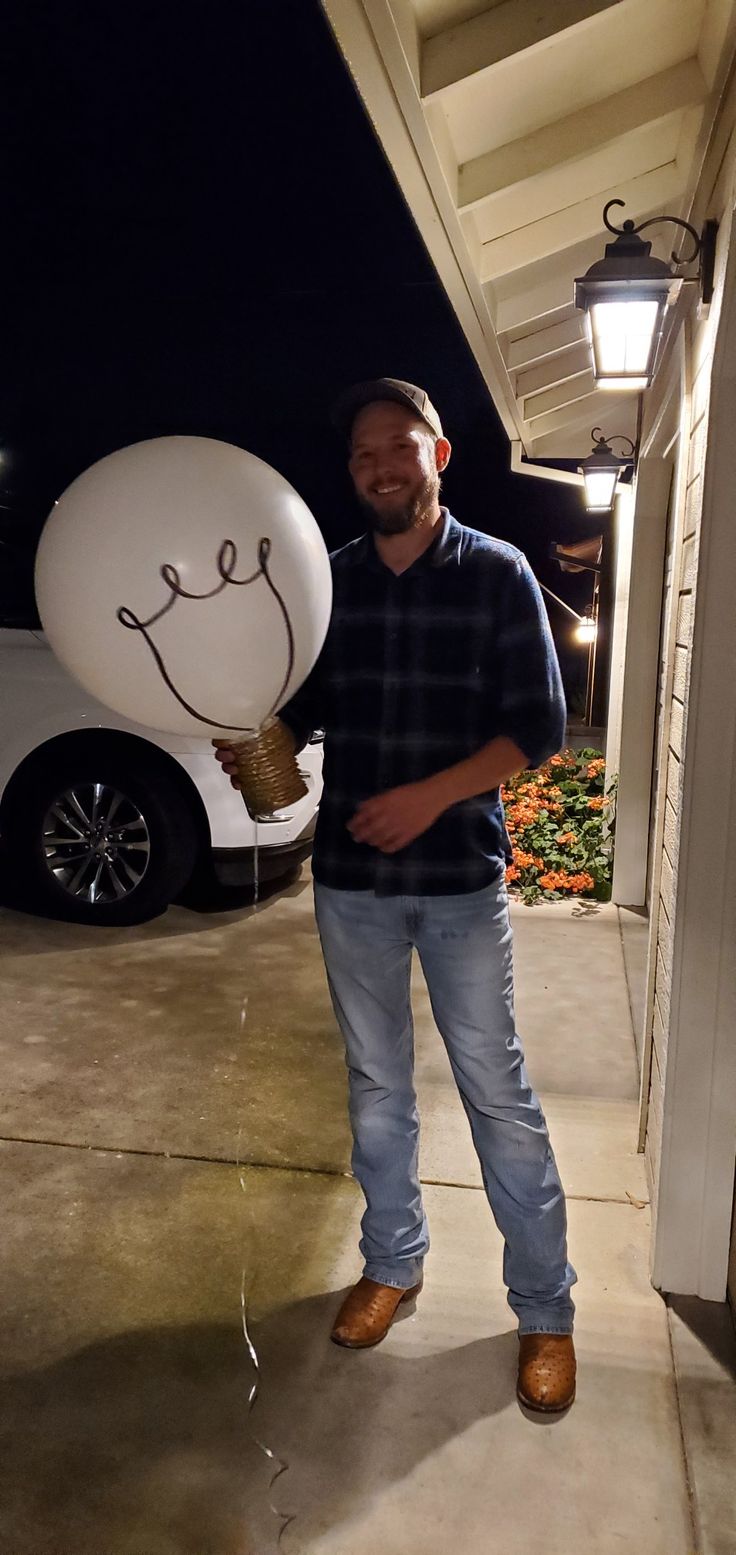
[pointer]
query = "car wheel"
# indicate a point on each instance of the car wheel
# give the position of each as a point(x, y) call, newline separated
point(100, 840)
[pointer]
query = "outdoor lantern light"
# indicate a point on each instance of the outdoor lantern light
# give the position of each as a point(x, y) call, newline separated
point(601, 470)
point(586, 630)
point(624, 297)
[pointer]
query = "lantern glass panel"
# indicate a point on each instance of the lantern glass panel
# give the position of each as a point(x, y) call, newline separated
point(624, 337)
point(600, 487)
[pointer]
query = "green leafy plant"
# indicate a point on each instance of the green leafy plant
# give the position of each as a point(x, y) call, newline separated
point(560, 819)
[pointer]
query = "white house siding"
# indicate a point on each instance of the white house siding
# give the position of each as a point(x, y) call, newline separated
point(681, 575)
point(732, 1263)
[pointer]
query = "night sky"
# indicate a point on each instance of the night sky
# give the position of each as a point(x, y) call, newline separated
point(203, 236)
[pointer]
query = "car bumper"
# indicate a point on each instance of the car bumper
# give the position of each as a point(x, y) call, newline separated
point(237, 866)
point(232, 829)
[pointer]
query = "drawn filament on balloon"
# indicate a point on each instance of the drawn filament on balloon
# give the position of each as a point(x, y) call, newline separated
point(226, 562)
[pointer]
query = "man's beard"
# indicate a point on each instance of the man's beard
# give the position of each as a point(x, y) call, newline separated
point(409, 515)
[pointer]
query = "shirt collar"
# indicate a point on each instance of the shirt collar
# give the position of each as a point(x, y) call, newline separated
point(444, 548)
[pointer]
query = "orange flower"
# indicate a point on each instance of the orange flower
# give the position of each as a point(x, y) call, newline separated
point(556, 761)
point(524, 860)
point(512, 873)
point(596, 803)
point(566, 836)
point(596, 767)
point(554, 880)
point(560, 880)
point(521, 814)
point(582, 882)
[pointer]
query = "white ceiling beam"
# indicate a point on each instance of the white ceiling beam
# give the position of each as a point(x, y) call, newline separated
point(554, 369)
point(365, 32)
point(571, 225)
point(691, 122)
point(561, 394)
point(580, 133)
point(407, 27)
point(571, 443)
point(439, 129)
point(541, 296)
point(576, 415)
point(567, 185)
point(544, 342)
point(497, 34)
point(572, 438)
point(716, 37)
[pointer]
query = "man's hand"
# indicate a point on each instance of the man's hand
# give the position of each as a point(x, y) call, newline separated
point(225, 754)
point(392, 820)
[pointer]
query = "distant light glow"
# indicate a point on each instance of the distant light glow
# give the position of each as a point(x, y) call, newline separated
point(586, 630)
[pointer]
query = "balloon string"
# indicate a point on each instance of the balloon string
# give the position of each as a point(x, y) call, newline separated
point(280, 1465)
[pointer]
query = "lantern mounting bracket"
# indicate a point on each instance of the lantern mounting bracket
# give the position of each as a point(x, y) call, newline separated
point(603, 443)
point(704, 244)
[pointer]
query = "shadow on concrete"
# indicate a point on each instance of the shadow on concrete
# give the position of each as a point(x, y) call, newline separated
point(712, 1323)
point(25, 932)
point(142, 1444)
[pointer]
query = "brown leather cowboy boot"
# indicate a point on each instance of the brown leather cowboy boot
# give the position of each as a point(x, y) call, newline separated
point(367, 1313)
point(546, 1372)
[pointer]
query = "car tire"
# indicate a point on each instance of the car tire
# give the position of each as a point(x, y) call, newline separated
point(139, 843)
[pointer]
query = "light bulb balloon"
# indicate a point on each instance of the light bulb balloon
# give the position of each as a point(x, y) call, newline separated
point(185, 584)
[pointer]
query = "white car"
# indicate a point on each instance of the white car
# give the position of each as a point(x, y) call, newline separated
point(105, 821)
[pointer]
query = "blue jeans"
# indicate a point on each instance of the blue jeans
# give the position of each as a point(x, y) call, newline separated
point(464, 945)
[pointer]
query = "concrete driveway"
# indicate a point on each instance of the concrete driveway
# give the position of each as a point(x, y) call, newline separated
point(173, 1131)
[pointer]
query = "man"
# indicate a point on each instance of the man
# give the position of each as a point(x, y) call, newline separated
point(438, 682)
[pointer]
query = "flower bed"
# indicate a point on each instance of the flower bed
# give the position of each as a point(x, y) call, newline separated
point(560, 822)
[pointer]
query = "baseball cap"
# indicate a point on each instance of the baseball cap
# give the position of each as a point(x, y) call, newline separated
point(394, 389)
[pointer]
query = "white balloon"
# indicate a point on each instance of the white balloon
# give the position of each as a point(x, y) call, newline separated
point(148, 526)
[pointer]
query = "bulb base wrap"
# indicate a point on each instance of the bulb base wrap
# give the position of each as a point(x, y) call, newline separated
point(268, 775)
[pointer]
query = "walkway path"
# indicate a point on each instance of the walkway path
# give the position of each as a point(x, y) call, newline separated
point(125, 1420)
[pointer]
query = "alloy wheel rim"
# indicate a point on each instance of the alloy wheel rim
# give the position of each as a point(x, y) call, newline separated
point(96, 843)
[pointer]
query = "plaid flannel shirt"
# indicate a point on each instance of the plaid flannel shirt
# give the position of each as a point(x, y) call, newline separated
point(419, 671)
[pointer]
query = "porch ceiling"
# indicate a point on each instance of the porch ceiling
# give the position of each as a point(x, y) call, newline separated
point(508, 125)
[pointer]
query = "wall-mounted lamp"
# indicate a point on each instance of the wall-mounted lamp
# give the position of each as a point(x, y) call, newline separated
point(601, 470)
point(624, 297)
point(586, 625)
point(586, 630)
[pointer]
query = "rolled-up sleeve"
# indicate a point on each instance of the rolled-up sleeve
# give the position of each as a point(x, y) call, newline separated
point(531, 698)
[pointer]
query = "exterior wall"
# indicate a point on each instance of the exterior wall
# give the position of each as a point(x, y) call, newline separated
point(679, 583)
point(673, 933)
point(732, 1263)
point(624, 522)
point(635, 758)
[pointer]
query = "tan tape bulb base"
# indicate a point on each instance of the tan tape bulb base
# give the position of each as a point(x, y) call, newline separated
point(268, 774)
